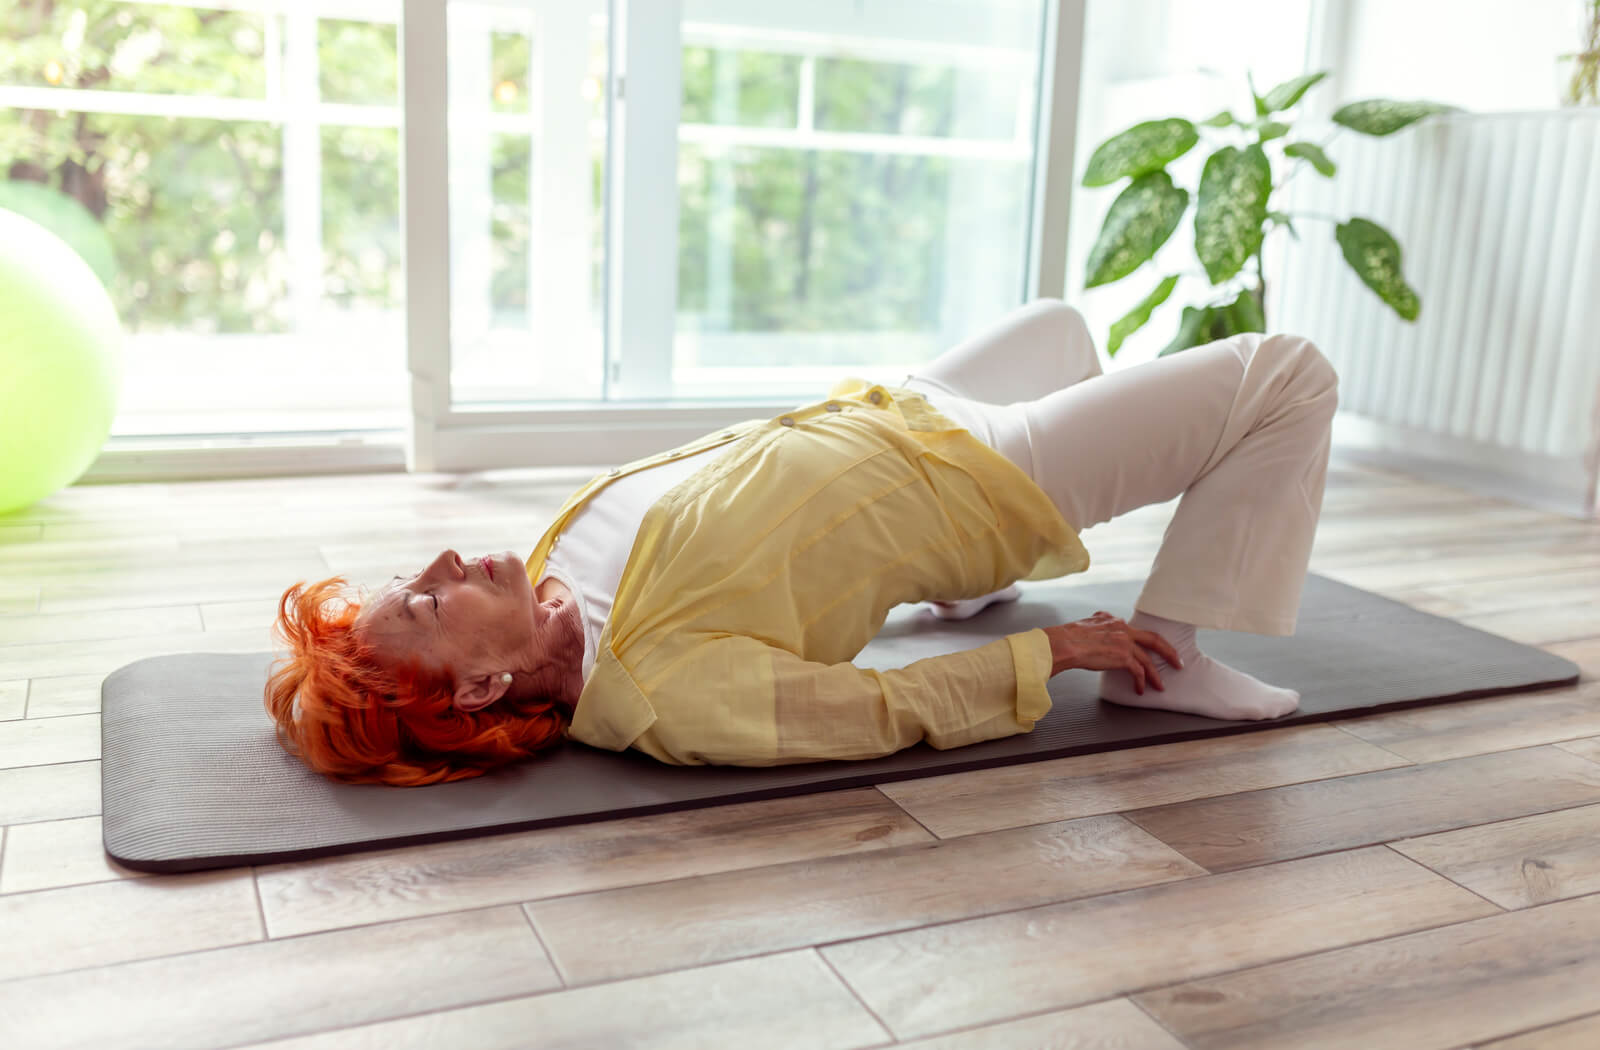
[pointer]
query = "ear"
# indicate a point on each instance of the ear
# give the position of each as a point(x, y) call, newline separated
point(479, 691)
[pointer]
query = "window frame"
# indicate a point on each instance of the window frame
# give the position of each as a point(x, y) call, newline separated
point(444, 436)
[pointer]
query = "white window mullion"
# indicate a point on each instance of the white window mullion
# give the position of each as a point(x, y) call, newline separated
point(425, 220)
point(469, 51)
point(562, 201)
point(302, 169)
point(1061, 61)
point(644, 222)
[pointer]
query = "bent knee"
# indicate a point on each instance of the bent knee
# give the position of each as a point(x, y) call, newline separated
point(1064, 326)
point(1312, 375)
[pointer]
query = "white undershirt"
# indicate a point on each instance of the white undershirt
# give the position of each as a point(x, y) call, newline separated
point(592, 550)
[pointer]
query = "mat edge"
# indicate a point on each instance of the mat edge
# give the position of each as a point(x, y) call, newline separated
point(164, 866)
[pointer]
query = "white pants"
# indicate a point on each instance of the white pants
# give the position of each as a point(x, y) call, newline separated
point(1239, 428)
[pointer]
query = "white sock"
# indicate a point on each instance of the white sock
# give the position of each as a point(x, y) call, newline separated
point(1203, 687)
point(970, 607)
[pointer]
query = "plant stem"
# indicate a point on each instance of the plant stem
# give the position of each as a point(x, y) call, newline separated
point(1261, 284)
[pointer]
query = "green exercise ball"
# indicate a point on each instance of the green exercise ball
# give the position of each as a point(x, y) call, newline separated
point(59, 346)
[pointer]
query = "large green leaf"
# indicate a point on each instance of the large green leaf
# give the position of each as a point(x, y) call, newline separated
point(1244, 315)
point(1134, 319)
point(1194, 329)
point(67, 219)
point(1375, 257)
point(1288, 93)
point(1268, 130)
point(1381, 116)
point(1145, 147)
point(1232, 209)
point(1140, 220)
point(1310, 151)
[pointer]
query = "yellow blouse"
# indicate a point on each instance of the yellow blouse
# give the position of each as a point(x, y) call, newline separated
point(752, 584)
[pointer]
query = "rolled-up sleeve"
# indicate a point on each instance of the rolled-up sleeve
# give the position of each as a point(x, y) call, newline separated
point(740, 701)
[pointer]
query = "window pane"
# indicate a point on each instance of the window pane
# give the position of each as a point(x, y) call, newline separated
point(527, 149)
point(860, 206)
point(358, 62)
point(740, 87)
point(133, 47)
point(251, 232)
point(362, 253)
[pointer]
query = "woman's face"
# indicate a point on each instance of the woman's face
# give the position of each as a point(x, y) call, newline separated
point(464, 618)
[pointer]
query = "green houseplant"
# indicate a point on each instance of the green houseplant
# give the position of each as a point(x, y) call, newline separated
point(1583, 86)
point(1233, 210)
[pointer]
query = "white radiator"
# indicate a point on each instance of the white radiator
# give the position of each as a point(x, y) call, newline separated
point(1497, 384)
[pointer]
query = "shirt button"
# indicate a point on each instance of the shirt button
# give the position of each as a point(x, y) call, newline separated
point(787, 421)
point(674, 454)
point(727, 433)
point(832, 406)
point(876, 397)
point(614, 471)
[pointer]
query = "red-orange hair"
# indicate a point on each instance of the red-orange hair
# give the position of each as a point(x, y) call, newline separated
point(347, 715)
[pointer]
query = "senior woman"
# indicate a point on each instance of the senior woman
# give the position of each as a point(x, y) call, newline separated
point(703, 605)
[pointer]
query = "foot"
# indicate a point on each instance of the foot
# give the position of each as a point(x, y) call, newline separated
point(970, 607)
point(1203, 686)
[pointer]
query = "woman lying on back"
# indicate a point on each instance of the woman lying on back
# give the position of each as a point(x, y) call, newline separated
point(703, 605)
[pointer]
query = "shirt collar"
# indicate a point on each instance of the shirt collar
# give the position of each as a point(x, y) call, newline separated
point(612, 710)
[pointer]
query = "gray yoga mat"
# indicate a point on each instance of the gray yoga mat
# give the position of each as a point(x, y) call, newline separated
point(193, 777)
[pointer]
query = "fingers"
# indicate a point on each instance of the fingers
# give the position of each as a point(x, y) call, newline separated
point(1152, 640)
point(1151, 674)
point(1136, 669)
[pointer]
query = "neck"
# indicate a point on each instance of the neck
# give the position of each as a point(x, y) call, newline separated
point(559, 675)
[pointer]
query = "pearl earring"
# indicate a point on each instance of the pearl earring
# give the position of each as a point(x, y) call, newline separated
point(506, 678)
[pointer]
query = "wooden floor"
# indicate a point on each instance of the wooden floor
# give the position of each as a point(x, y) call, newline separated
point(1429, 878)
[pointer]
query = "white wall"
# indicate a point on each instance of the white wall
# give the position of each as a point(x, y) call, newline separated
point(1483, 55)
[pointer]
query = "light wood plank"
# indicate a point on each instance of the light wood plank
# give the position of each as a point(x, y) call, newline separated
point(1113, 1025)
point(1011, 796)
point(19, 534)
point(17, 601)
point(272, 989)
point(52, 931)
point(691, 922)
point(1427, 991)
point(56, 853)
point(1518, 863)
point(1518, 592)
point(89, 626)
point(234, 616)
point(73, 694)
point(1418, 570)
point(1585, 652)
point(47, 741)
point(174, 581)
point(1474, 727)
point(504, 869)
point(1553, 622)
point(1239, 830)
point(1588, 748)
point(775, 1002)
point(56, 659)
point(1581, 1034)
point(942, 977)
point(31, 793)
point(13, 700)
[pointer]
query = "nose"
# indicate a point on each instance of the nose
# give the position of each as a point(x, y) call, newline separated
point(447, 566)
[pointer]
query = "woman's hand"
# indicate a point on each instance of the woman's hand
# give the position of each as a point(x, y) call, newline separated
point(1104, 643)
